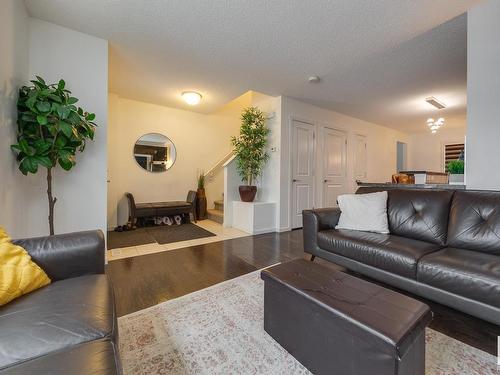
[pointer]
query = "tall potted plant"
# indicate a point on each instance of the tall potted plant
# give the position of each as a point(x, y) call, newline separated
point(201, 198)
point(50, 130)
point(250, 150)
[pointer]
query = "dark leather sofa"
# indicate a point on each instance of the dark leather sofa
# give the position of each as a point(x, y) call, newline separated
point(443, 245)
point(69, 326)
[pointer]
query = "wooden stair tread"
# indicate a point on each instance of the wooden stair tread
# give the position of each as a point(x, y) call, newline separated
point(216, 215)
point(215, 212)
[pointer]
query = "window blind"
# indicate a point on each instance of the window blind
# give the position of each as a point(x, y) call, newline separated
point(453, 152)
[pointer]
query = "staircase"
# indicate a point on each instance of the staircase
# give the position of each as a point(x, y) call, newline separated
point(217, 214)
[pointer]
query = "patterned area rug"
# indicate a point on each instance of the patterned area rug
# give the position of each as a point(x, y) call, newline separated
point(219, 330)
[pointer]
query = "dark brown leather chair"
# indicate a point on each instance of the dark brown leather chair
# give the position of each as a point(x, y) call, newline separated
point(137, 210)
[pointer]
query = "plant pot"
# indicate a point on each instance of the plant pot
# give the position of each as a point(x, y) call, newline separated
point(201, 204)
point(247, 193)
point(456, 179)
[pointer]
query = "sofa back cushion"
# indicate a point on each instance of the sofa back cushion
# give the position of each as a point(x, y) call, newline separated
point(419, 214)
point(475, 221)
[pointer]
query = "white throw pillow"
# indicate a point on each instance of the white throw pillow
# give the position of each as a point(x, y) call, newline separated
point(364, 212)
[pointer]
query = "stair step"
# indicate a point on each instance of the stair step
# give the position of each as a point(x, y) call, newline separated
point(216, 215)
point(219, 205)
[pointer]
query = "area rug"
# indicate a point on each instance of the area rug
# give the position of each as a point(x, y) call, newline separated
point(136, 237)
point(176, 233)
point(161, 234)
point(219, 330)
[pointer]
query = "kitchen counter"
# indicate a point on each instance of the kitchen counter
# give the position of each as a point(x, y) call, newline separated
point(411, 186)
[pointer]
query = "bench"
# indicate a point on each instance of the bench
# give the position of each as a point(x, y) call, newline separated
point(153, 209)
point(335, 323)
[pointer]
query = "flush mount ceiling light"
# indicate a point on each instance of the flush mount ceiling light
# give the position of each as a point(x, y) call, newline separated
point(434, 125)
point(191, 97)
point(314, 79)
point(434, 102)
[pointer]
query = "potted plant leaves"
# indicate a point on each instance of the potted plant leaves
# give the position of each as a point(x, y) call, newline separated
point(50, 131)
point(250, 150)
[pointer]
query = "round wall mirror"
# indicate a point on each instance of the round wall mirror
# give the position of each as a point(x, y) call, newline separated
point(155, 152)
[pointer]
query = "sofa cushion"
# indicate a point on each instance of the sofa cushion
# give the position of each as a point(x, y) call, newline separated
point(470, 274)
point(366, 212)
point(419, 214)
point(475, 221)
point(63, 314)
point(391, 253)
point(97, 358)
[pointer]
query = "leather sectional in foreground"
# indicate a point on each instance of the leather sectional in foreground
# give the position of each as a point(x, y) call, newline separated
point(443, 245)
point(69, 326)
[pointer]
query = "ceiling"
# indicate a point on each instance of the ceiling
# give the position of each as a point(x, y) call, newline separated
point(378, 60)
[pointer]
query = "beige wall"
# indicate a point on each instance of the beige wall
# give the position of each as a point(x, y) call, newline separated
point(200, 140)
point(13, 74)
point(427, 149)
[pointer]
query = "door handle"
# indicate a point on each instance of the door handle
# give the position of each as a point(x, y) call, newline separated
point(295, 180)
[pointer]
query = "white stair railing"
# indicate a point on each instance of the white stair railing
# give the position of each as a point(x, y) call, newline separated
point(209, 175)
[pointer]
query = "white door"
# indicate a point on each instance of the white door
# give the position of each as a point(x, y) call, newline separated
point(302, 170)
point(360, 157)
point(334, 161)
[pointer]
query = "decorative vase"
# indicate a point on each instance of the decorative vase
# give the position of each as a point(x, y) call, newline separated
point(201, 204)
point(247, 193)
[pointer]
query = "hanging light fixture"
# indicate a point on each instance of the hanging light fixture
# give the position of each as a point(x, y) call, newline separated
point(434, 125)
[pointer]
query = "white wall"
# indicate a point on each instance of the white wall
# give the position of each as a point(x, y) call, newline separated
point(381, 147)
point(14, 37)
point(30, 46)
point(200, 140)
point(427, 149)
point(483, 93)
point(81, 60)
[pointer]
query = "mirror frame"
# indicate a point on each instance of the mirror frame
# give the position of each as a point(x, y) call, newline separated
point(146, 170)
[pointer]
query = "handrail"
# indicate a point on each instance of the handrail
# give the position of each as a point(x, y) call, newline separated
point(209, 175)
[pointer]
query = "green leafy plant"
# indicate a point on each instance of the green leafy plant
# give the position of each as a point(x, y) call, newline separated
point(250, 145)
point(455, 167)
point(50, 131)
point(201, 180)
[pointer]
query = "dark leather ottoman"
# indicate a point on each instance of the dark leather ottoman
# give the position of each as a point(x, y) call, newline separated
point(335, 323)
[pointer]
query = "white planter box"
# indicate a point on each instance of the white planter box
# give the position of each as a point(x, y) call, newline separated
point(456, 179)
point(254, 217)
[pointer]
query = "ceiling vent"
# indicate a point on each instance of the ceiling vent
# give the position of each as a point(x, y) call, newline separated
point(434, 102)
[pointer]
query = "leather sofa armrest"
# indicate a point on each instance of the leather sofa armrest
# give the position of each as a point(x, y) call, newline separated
point(67, 255)
point(317, 220)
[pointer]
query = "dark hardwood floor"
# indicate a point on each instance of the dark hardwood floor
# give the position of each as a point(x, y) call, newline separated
point(143, 281)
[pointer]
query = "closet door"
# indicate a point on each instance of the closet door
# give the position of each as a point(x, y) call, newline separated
point(360, 157)
point(334, 160)
point(303, 152)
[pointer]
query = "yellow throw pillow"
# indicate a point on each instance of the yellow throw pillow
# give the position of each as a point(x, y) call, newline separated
point(18, 273)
